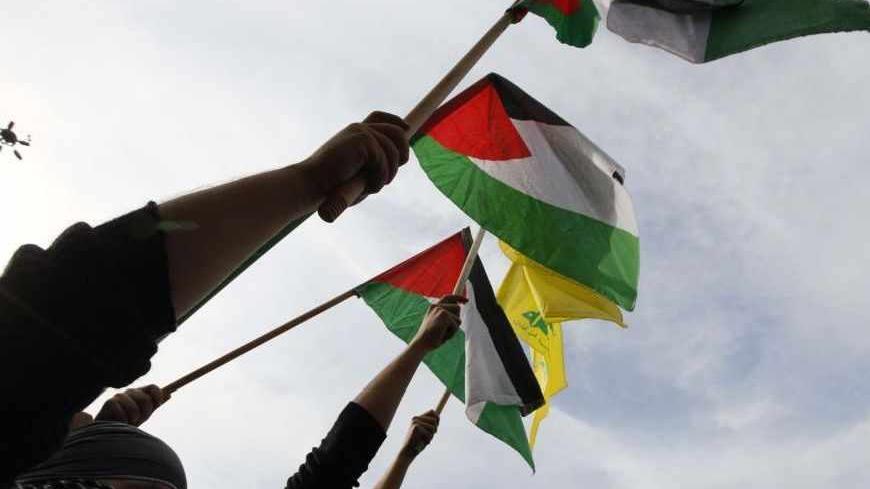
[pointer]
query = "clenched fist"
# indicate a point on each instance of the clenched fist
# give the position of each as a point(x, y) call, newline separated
point(373, 148)
point(133, 406)
point(420, 434)
point(441, 323)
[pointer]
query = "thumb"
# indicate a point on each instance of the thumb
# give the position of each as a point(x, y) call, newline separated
point(80, 420)
point(379, 117)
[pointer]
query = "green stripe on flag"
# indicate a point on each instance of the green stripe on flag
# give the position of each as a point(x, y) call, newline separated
point(506, 424)
point(550, 235)
point(576, 29)
point(758, 22)
point(403, 312)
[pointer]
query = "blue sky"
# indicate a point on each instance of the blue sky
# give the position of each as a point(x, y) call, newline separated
point(743, 364)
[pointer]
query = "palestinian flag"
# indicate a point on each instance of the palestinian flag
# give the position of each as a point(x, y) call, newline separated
point(575, 21)
point(483, 365)
point(701, 30)
point(705, 30)
point(537, 183)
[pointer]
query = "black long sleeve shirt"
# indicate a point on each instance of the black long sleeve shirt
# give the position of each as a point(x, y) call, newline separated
point(344, 455)
point(86, 314)
point(80, 316)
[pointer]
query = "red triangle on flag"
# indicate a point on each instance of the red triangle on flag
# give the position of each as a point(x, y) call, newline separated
point(476, 124)
point(433, 272)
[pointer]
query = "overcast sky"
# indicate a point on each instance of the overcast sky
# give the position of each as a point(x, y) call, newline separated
point(745, 362)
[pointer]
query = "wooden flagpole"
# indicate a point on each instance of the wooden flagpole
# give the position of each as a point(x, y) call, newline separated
point(350, 192)
point(266, 337)
point(223, 360)
point(232, 355)
point(337, 203)
point(457, 289)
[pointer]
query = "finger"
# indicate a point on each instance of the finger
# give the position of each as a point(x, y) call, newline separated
point(381, 117)
point(449, 332)
point(426, 424)
point(425, 435)
point(157, 395)
point(80, 420)
point(451, 309)
point(112, 411)
point(131, 410)
point(391, 152)
point(431, 417)
point(143, 402)
point(453, 299)
point(375, 165)
point(440, 313)
point(399, 137)
point(444, 310)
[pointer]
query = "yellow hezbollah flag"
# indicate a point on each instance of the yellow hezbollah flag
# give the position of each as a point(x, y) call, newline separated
point(558, 298)
point(537, 300)
point(550, 371)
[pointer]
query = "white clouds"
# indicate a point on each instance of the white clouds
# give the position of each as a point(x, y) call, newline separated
point(743, 364)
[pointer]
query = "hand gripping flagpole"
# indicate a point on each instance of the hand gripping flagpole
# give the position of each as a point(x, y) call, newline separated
point(351, 191)
point(266, 337)
point(458, 289)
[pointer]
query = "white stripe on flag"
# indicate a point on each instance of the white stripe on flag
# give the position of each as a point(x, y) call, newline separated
point(682, 34)
point(568, 171)
point(486, 379)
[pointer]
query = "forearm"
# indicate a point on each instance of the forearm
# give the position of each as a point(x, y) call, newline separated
point(394, 477)
point(344, 455)
point(230, 222)
point(382, 395)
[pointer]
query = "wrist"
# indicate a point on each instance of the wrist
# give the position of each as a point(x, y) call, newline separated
point(300, 180)
point(418, 346)
point(406, 456)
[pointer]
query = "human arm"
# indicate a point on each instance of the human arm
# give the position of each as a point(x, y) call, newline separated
point(382, 395)
point(355, 438)
point(229, 222)
point(87, 312)
point(420, 434)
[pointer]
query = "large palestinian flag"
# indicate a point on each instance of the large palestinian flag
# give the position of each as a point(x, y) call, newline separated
point(484, 364)
point(701, 30)
point(536, 182)
point(705, 30)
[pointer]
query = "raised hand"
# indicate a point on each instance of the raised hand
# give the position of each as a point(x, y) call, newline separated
point(373, 148)
point(133, 406)
point(440, 324)
point(420, 434)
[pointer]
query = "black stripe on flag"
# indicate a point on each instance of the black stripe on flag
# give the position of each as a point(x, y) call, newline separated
point(521, 106)
point(504, 339)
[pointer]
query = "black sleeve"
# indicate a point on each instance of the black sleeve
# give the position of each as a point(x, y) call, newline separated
point(80, 316)
point(344, 455)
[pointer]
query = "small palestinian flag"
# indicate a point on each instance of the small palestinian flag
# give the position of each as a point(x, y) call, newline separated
point(536, 182)
point(484, 364)
point(575, 21)
point(705, 30)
